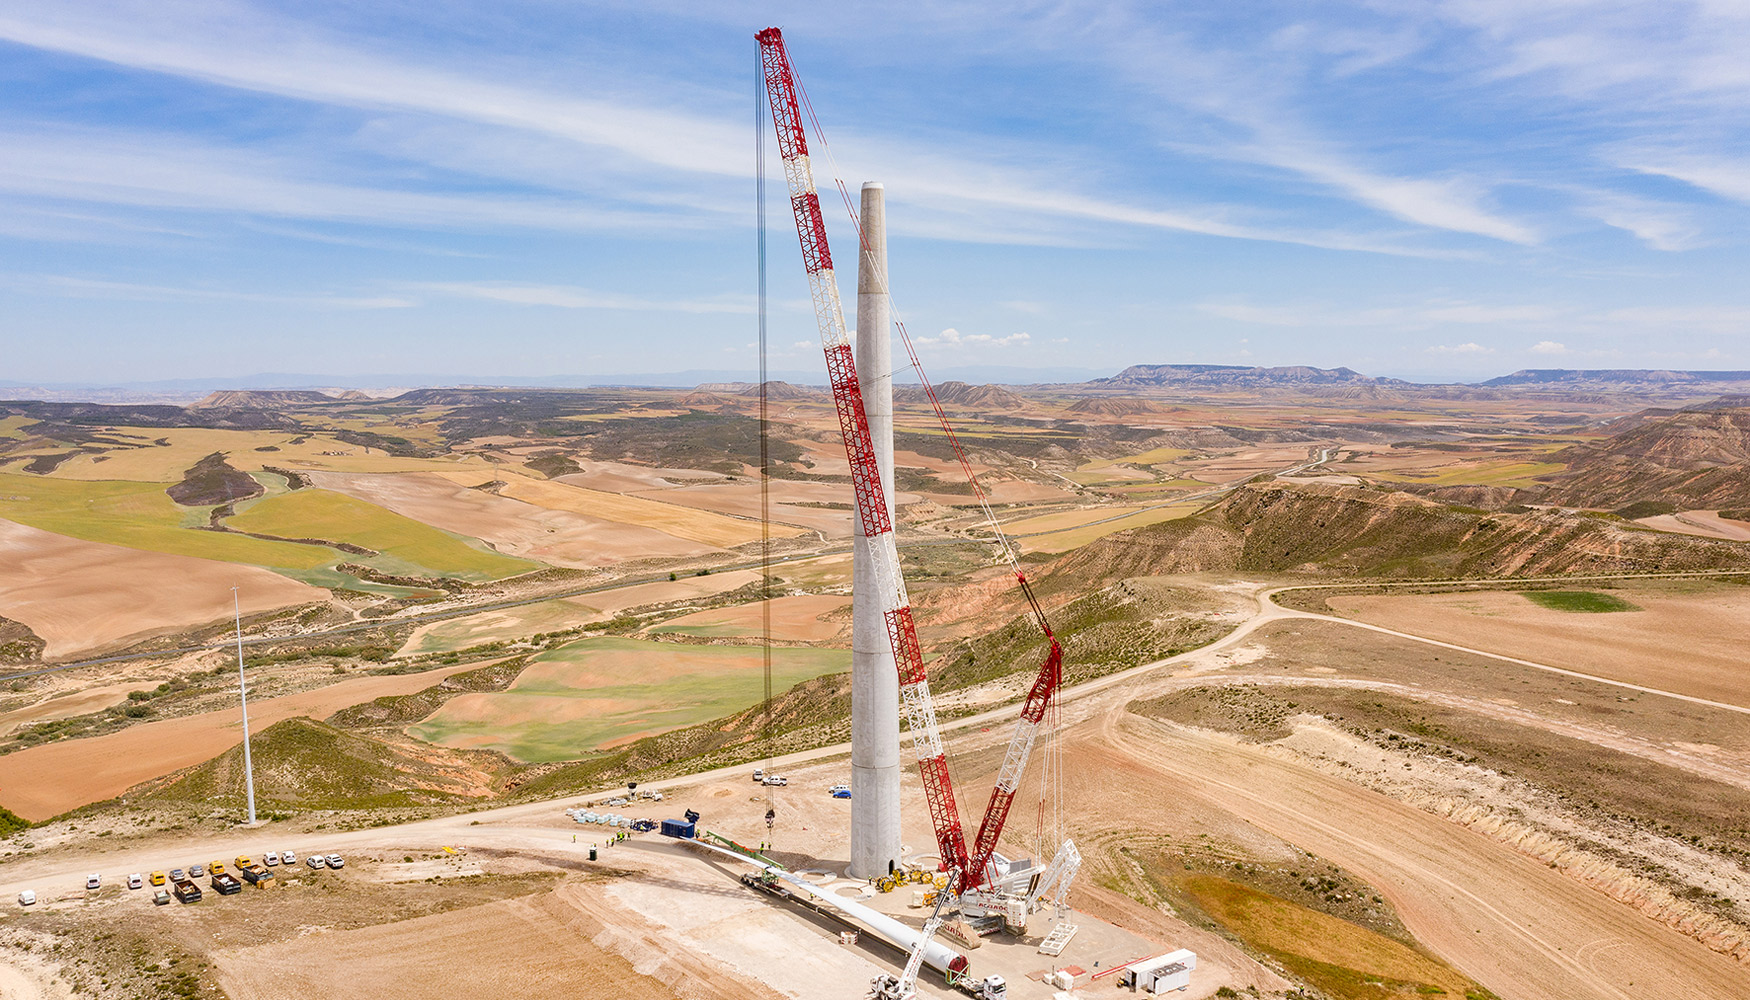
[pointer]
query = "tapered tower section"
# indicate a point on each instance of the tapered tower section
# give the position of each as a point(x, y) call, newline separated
point(875, 841)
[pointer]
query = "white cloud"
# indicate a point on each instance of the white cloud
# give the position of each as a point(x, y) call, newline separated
point(54, 284)
point(251, 50)
point(1470, 347)
point(630, 149)
point(1255, 98)
point(1660, 226)
point(573, 297)
point(153, 172)
point(1726, 178)
point(1549, 347)
point(954, 338)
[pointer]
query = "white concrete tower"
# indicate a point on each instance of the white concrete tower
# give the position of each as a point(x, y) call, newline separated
point(874, 678)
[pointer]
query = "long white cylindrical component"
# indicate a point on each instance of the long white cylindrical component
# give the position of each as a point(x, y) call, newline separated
point(937, 956)
point(875, 765)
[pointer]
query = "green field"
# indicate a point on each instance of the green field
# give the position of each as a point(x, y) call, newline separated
point(142, 516)
point(1484, 474)
point(1578, 600)
point(594, 694)
point(410, 548)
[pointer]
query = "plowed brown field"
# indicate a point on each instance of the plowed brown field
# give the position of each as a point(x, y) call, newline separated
point(1691, 643)
point(81, 596)
point(48, 780)
point(559, 537)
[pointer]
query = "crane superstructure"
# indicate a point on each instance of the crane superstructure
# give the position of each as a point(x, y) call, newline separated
point(968, 870)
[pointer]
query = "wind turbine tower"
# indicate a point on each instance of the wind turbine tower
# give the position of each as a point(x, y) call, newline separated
point(875, 839)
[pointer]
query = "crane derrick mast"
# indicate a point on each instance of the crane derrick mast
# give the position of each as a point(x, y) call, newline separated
point(967, 870)
point(877, 534)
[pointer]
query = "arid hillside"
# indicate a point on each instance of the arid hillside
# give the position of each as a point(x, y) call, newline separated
point(1346, 530)
point(1692, 458)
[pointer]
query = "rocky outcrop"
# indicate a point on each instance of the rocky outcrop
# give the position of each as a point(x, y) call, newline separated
point(211, 481)
point(265, 399)
point(974, 397)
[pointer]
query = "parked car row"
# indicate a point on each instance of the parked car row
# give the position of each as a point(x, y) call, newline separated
point(182, 885)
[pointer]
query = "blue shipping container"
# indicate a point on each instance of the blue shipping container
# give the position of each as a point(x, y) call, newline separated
point(677, 828)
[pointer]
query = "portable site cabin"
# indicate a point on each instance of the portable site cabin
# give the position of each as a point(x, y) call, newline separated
point(1171, 971)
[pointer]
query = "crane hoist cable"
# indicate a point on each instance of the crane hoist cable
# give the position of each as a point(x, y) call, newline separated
point(759, 134)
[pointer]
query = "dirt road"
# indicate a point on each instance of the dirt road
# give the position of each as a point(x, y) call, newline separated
point(1523, 930)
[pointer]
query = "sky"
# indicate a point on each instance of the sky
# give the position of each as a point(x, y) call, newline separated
point(1443, 190)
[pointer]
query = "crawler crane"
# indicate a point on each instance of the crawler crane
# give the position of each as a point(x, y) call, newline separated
point(977, 873)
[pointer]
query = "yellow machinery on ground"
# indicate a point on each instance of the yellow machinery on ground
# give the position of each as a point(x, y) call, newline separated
point(893, 880)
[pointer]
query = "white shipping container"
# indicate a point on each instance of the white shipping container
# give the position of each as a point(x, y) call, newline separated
point(1143, 975)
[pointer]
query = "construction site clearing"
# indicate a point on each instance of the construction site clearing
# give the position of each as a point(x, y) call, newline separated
point(661, 896)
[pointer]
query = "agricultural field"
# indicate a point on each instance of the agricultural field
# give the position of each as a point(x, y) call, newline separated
point(596, 694)
point(813, 506)
point(50, 779)
point(1118, 471)
point(802, 618)
point(407, 547)
point(1244, 464)
point(1634, 643)
point(82, 597)
point(160, 454)
point(1485, 473)
point(1057, 533)
point(691, 524)
point(140, 515)
point(1585, 601)
point(505, 625)
point(558, 537)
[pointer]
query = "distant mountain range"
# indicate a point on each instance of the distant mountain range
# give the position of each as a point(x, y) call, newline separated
point(1241, 375)
point(1318, 381)
point(1615, 376)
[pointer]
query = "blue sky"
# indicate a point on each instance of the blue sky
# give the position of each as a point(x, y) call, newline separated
point(1441, 189)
